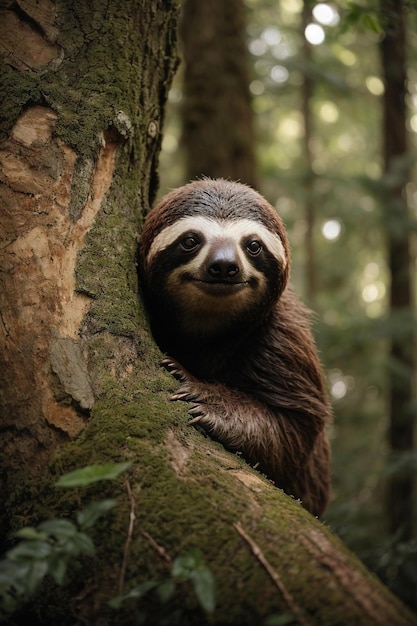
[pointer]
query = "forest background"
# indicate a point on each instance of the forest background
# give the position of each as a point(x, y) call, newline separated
point(317, 84)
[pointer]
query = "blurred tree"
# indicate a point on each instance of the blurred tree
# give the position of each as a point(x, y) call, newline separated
point(309, 205)
point(217, 117)
point(397, 220)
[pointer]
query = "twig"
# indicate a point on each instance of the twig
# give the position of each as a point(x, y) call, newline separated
point(159, 549)
point(257, 552)
point(132, 518)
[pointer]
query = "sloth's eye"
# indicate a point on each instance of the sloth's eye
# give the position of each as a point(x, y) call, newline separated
point(189, 243)
point(254, 247)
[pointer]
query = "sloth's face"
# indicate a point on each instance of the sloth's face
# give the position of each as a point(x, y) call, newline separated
point(214, 272)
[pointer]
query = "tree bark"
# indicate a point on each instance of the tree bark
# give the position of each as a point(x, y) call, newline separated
point(402, 350)
point(85, 86)
point(78, 158)
point(217, 117)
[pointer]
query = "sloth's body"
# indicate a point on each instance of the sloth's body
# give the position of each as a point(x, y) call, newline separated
point(214, 266)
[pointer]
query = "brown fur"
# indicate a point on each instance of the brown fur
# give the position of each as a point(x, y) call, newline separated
point(257, 388)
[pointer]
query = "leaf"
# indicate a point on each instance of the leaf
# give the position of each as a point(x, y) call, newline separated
point(29, 533)
point(83, 544)
point(59, 570)
point(280, 619)
point(88, 516)
point(12, 573)
point(133, 594)
point(166, 590)
point(34, 576)
point(185, 564)
point(12, 586)
point(204, 588)
point(371, 22)
point(92, 474)
point(58, 528)
point(191, 567)
point(28, 551)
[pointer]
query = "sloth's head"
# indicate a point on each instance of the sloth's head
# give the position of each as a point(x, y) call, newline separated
point(214, 257)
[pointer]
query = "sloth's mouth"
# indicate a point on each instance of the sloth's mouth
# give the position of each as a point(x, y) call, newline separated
point(220, 287)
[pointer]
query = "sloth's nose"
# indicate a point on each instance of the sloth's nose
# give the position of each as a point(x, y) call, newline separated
point(222, 264)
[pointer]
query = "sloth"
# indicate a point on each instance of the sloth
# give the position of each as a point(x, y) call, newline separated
point(214, 266)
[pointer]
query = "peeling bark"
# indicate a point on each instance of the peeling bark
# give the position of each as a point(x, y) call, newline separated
point(40, 244)
point(54, 186)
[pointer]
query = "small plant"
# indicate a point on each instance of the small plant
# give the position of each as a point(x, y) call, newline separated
point(48, 549)
point(188, 567)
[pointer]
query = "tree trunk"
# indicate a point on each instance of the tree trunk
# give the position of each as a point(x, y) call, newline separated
point(218, 133)
point(78, 160)
point(402, 352)
point(86, 85)
point(309, 206)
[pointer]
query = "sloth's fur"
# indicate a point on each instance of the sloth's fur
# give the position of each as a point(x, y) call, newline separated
point(214, 265)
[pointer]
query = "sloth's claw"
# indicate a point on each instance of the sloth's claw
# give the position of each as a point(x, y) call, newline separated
point(174, 368)
point(181, 394)
point(195, 420)
point(196, 414)
point(186, 392)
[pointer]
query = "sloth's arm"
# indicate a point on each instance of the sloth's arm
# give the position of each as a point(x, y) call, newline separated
point(264, 436)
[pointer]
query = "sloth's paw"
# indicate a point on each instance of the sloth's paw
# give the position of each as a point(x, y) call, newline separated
point(190, 390)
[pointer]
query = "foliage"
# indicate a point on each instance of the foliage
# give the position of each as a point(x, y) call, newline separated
point(50, 549)
point(91, 474)
point(187, 567)
point(357, 14)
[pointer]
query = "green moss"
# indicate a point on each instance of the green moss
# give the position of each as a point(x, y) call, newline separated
point(17, 89)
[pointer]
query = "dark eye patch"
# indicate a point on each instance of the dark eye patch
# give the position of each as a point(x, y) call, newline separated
point(177, 253)
point(252, 245)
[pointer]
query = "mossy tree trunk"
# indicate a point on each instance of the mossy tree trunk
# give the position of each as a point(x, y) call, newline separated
point(84, 87)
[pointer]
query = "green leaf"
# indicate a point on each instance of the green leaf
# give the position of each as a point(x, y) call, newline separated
point(12, 586)
point(35, 575)
point(83, 544)
point(59, 570)
point(166, 590)
point(58, 528)
point(133, 594)
point(281, 619)
point(30, 550)
point(92, 474)
point(185, 564)
point(12, 574)
point(204, 588)
point(88, 516)
point(191, 567)
point(29, 533)
point(371, 22)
